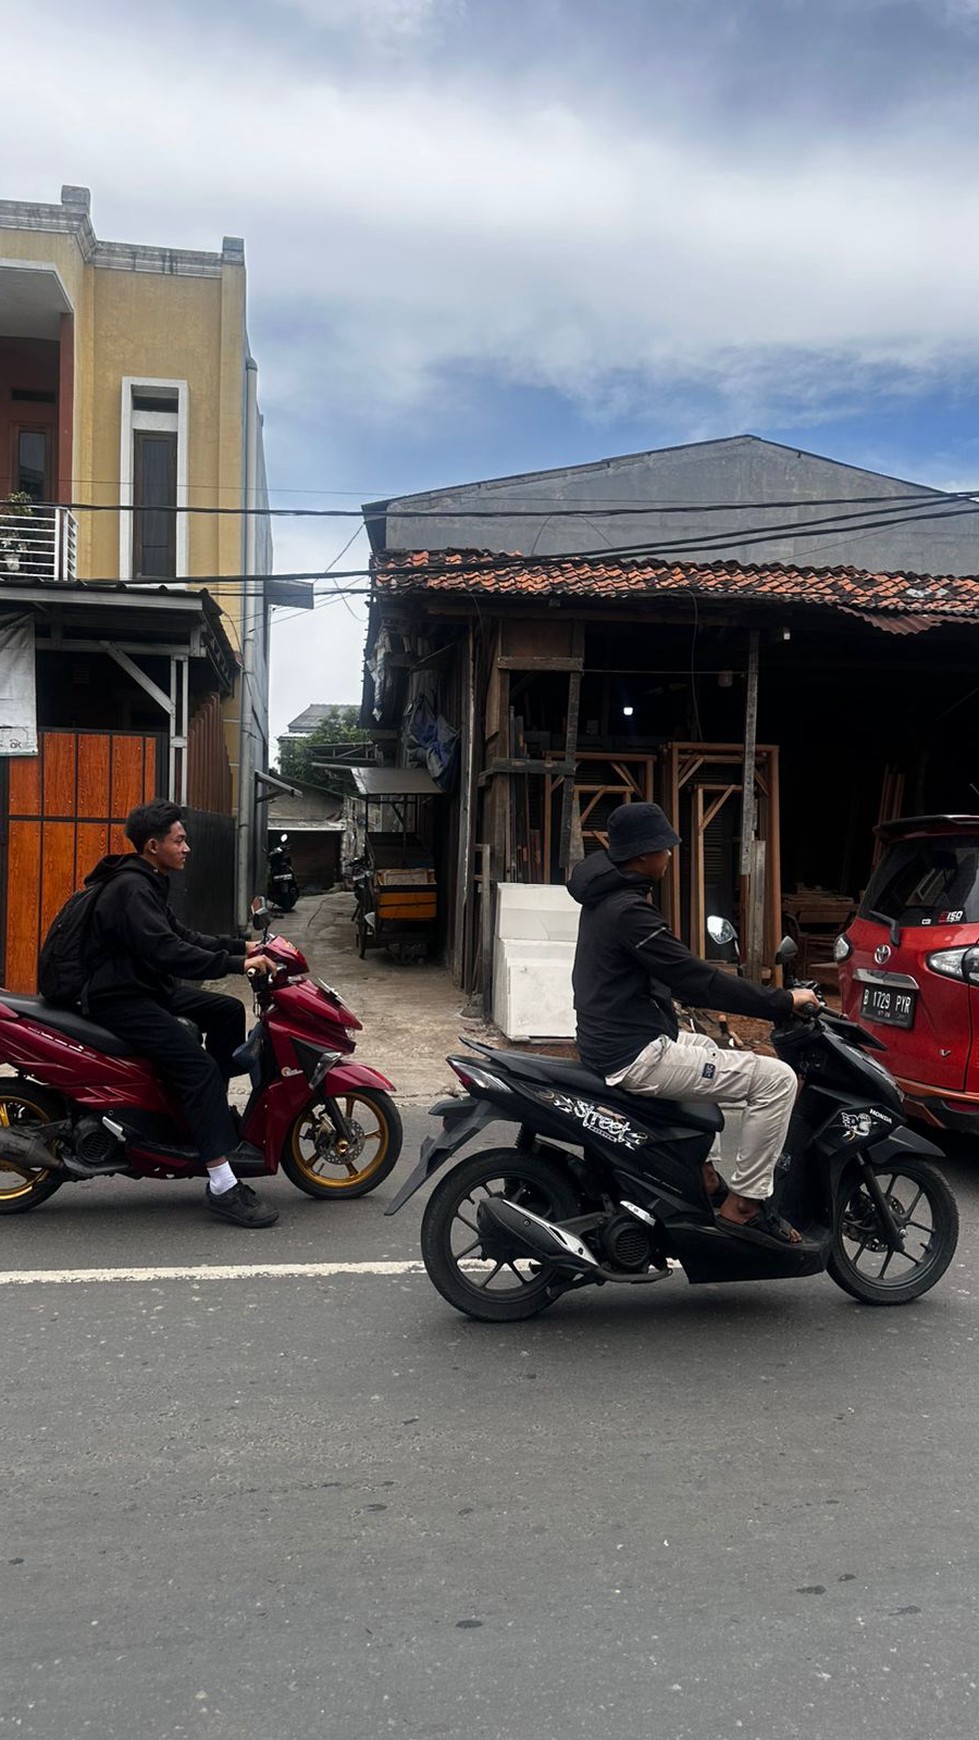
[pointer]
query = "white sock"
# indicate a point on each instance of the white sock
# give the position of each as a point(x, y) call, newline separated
point(221, 1178)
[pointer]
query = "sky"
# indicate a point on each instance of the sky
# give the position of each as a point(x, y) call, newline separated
point(493, 236)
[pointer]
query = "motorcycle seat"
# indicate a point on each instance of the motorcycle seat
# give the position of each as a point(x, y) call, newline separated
point(76, 1027)
point(702, 1114)
point(72, 1025)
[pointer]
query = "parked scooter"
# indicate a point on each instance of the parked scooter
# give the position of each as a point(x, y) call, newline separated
point(81, 1105)
point(602, 1186)
point(282, 889)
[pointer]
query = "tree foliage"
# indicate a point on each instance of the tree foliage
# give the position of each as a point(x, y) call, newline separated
point(297, 754)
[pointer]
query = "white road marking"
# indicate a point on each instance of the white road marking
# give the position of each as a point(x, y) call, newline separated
point(205, 1272)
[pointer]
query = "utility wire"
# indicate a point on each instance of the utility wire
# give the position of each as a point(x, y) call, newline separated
point(583, 511)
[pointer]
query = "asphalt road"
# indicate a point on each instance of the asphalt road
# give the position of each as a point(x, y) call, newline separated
point(289, 1506)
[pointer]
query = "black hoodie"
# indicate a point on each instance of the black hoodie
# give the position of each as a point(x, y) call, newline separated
point(628, 967)
point(140, 948)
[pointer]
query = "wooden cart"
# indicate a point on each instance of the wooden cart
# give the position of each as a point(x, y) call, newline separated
point(395, 886)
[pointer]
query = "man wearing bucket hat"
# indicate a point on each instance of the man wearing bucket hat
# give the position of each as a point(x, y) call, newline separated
point(629, 967)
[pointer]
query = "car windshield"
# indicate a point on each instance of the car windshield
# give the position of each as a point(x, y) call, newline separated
point(926, 881)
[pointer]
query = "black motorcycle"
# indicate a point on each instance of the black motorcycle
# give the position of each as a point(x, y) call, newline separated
point(605, 1187)
point(282, 889)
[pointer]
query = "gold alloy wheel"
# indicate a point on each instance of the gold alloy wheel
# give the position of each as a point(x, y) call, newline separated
point(320, 1161)
point(19, 1109)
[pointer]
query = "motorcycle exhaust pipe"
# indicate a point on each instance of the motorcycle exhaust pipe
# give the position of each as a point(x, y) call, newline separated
point(521, 1232)
point(26, 1154)
point(529, 1235)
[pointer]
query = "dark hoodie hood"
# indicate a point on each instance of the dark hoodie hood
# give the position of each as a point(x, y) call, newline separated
point(596, 877)
point(114, 861)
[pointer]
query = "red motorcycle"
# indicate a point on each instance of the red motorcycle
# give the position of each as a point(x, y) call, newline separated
point(82, 1105)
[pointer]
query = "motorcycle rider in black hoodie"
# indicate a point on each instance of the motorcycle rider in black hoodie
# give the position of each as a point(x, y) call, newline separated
point(629, 967)
point(138, 950)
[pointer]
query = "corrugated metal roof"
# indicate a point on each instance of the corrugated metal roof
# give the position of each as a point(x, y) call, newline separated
point(927, 598)
point(383, 782)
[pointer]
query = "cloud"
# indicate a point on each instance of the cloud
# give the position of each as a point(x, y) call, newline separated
point(371, 16)
point(401, 229)
point(384, 20)
point(768, 218)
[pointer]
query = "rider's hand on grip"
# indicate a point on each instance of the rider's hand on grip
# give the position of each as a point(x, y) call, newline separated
point(805, 1002)
point(261, 964)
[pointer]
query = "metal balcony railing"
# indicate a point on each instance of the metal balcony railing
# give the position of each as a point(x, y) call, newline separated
point(39, 545)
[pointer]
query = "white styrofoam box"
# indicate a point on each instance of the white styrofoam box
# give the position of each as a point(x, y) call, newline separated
point(532, 988)
point(541, 910)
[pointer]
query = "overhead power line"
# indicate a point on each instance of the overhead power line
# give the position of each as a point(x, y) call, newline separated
point(545, 510)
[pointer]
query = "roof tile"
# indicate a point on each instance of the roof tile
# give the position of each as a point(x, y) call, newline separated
point(929, 598)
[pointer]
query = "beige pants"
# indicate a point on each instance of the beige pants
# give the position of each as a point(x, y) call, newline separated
point(692, 1067)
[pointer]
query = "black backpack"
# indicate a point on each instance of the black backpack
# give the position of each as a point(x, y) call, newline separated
point(64, 966)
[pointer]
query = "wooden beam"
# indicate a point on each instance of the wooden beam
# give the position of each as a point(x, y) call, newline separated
point(522, 764)
point(530, 665)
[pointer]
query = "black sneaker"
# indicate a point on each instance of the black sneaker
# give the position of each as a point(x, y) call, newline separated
point(241, 1205)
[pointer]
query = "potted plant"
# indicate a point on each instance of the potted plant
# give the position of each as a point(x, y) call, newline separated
point(14, 545)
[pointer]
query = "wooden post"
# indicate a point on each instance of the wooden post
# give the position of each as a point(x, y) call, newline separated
point(571, 746)
point(774, 853)
point(486, 928)
point(755, 912)
point(464, 865)
point(752, 940)
point(750, 741)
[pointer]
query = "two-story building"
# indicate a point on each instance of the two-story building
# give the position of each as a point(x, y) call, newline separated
point(134, 545)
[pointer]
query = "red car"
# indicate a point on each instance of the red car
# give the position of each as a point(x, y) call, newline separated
point(909, 965)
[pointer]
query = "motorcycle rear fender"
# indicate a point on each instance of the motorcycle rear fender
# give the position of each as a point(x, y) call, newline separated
point(461, 1119)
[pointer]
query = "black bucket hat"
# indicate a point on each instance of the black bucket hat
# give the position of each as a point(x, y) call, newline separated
point(634, 829)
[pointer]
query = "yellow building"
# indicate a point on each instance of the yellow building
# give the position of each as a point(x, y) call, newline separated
point(127, 394)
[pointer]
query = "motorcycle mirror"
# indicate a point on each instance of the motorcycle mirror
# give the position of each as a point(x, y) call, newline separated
point(721, 931)
point(787, 950)
point(283, 838)
point(261, 914)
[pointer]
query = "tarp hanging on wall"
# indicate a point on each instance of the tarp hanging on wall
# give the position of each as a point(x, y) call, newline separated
point(18, 695)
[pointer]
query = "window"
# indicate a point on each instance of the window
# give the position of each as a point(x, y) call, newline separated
point(153, 538)
point(154, 499)
point(32, 464)
point(918, 881)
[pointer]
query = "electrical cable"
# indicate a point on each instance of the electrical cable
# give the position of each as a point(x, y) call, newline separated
point(584, 510)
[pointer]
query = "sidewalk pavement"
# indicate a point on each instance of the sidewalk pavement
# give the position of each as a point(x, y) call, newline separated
point(412, 1015)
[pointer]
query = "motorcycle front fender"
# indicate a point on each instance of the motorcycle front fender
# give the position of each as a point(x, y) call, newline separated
point(346, 1077)
point(461, 1119)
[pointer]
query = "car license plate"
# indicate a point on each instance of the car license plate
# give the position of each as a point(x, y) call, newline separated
point(889, 1005)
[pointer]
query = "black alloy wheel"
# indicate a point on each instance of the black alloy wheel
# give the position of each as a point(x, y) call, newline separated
point(494, 1291)
point(924, 1209)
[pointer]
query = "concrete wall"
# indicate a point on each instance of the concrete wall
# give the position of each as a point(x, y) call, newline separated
point(742, 469)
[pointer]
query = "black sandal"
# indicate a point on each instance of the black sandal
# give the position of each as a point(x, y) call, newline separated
point(764, 1228)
